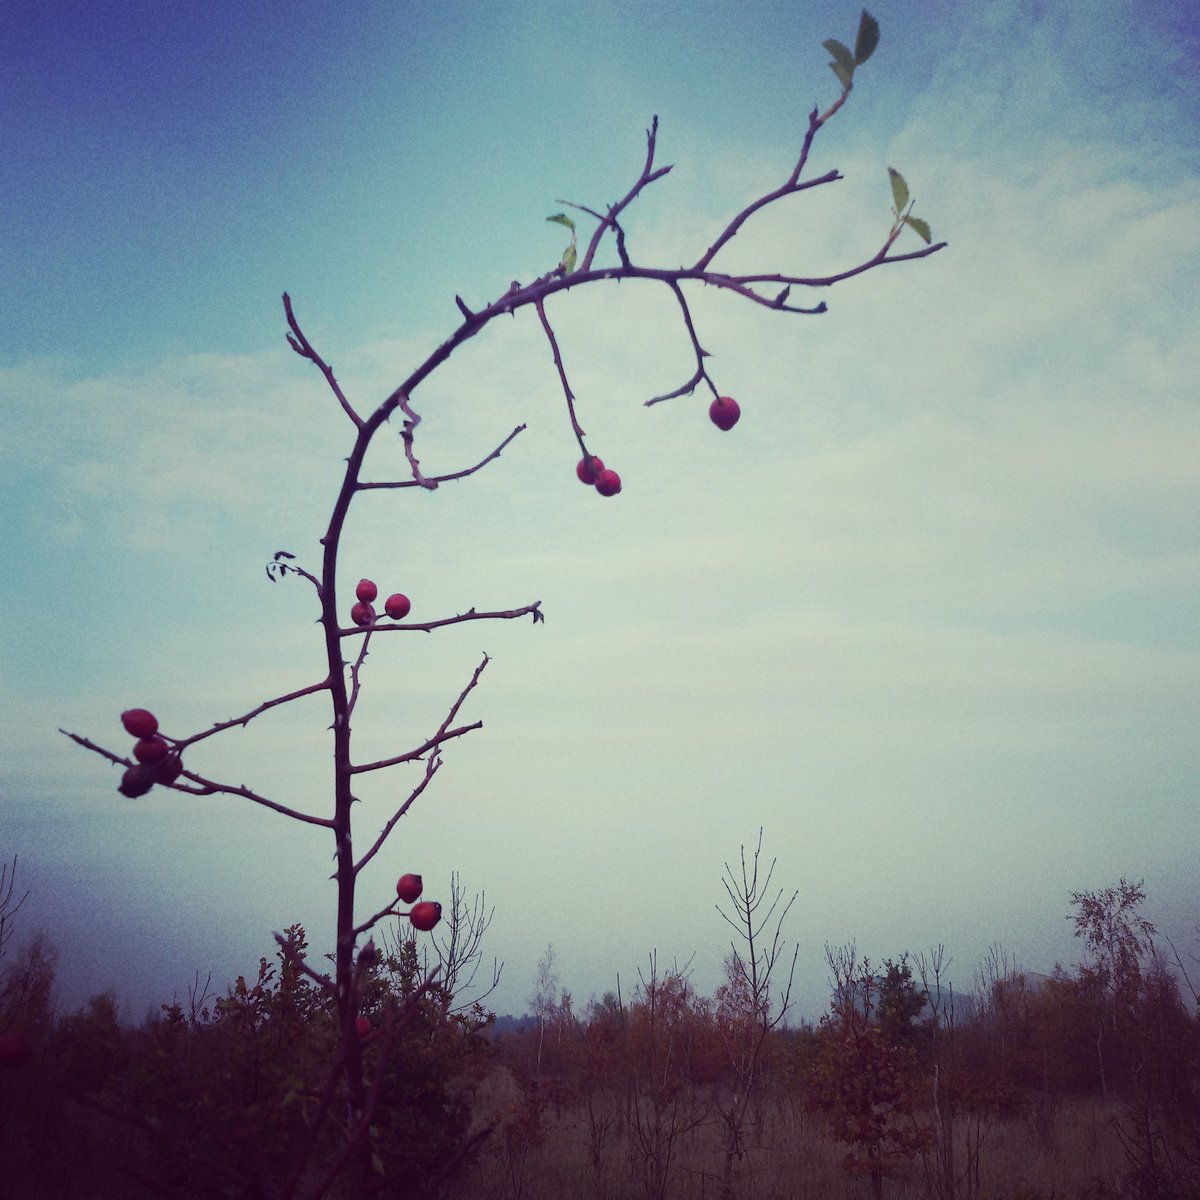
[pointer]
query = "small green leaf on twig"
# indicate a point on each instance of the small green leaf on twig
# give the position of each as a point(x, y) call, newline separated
point(840, 52)
point(567, 262)
point(899, 190)
point(921, 228)
point(844, 77)
point(868, 38)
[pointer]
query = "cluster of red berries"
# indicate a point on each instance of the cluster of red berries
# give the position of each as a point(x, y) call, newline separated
point(363, 613)
point(724, 412)
point(592, 471)
point(428, 913)
point(156, 763)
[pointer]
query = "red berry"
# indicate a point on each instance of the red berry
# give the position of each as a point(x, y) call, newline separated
point(362, 614)
point(168, 769)
point(15, 1049)
point(363, 1025)
point(139, 722)
point(589, 468)
point(151, 750)
point(426, 915)
point(724, 412)
point(137, 780)
point(366, 591)
point(608, 483)
point(397, 606)
point(408, 887)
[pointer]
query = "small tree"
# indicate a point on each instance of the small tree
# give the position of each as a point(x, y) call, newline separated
point(865, 1078)
point(1117, 937)
point(746, 1012)
point(350, 628)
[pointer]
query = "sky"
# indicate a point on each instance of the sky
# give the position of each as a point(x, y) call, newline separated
point(927, 616)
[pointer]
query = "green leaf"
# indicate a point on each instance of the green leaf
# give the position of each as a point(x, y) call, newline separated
point(568, 259)
point(840, 52)
point(868, 38)
point(562, 219)
point(899, 189)
point(920, 227)
point(841, 73)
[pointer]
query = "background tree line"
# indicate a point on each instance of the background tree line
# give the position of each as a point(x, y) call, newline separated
point(655, 1089)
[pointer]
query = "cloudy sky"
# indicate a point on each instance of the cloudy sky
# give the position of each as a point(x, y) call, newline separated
point(928, 615)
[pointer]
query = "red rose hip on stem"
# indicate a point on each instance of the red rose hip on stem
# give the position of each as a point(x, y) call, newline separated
point(362, 614)
point(139, 722)
point(151, 750)
point(608, 483)
point(408, 887)
point(588, 469)
point(363, 1025)
point(137, 780)
point(168, 769)
point(397, 606)
point(724, 412)
point(426, 915)
point(366, 591)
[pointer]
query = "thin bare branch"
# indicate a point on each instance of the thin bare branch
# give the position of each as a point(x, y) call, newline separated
point(411, 421)
point(246, 718)
point(534, 610)
point(562, 375)
point(701, 354)
point(302, 347)
point(437, 479)
point(648, 176)
point(210, 787)
point(432, 766)
point(355, 670)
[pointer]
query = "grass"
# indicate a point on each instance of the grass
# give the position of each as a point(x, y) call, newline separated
point(1067, 1151)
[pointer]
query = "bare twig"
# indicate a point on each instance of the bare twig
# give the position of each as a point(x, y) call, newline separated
point(562, 374)
point(697, 349)
point(246, 718)
point(302, 347)
point(648, 176)
point(436, 479)
point(432, 766)
point(411, 421)
point(529, 610)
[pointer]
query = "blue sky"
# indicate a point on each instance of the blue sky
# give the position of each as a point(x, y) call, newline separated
point(928, 614)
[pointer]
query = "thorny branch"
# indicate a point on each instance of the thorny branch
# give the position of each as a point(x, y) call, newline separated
point(437, 479)
point(700, 352)
point(432, 766)
point(529, 610)
point(562, 374)
point(300, 344)
point(204, 787)
point(647, 177)
point(246, 718)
